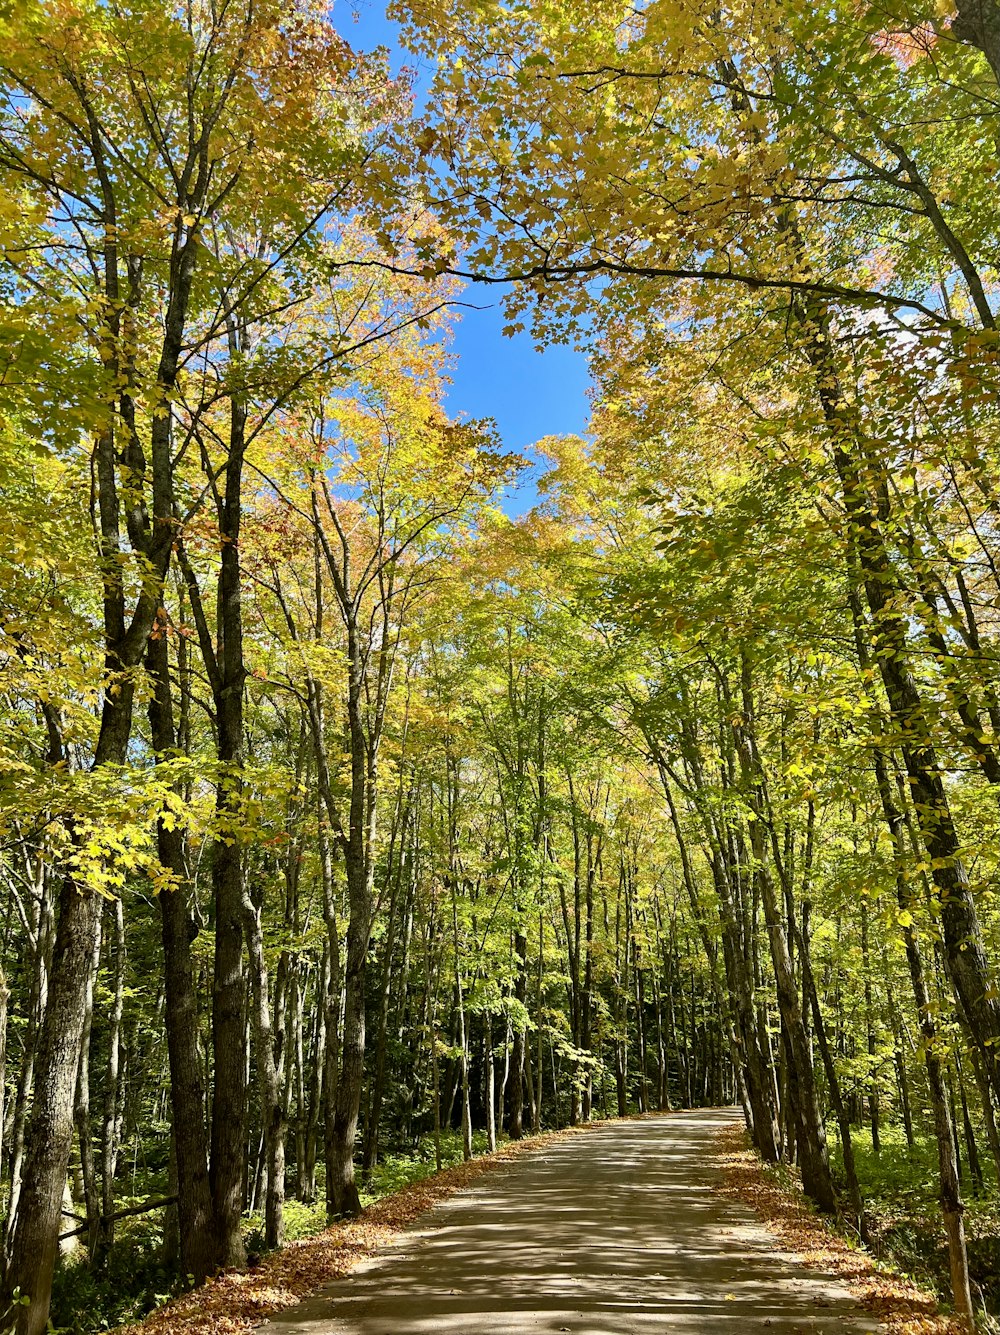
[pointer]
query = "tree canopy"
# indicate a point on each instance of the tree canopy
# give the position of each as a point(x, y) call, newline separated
point(359, 809)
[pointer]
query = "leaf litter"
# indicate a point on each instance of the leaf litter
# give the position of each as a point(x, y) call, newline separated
point(898, 1303)
point(236, 1301)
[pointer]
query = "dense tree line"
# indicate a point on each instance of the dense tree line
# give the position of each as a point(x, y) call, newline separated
point(340, 810)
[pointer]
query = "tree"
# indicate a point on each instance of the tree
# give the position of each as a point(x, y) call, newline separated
point(141, 179)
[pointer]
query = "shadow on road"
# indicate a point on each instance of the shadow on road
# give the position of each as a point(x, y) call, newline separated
point(615, 1232)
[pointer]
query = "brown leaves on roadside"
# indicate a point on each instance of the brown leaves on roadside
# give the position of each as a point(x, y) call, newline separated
point(235, 1302)
point(902, 1307)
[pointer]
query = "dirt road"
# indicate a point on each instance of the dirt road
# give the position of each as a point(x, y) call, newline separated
point(617, 1231)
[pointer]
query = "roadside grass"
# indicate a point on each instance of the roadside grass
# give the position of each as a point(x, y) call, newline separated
point(900, 1188)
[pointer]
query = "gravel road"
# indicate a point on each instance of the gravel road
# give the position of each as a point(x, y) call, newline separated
point(618, 1231)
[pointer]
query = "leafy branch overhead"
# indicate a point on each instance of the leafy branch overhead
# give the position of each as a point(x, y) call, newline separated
point(372, 791)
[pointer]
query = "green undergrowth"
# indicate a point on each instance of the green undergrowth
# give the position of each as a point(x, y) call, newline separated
point(136, 1278)
point(133, 1279)
point(392, 1174)
point(900, 1188)
point(398, 1171)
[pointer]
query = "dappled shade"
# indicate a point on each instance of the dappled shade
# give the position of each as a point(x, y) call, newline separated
point(619, 1232)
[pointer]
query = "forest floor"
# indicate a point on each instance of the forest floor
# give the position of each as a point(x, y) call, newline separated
point(663, 1222)
point(902, 1306)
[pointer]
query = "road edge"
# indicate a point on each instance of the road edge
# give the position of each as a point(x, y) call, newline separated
point(898, 1303)
point(236, 1302)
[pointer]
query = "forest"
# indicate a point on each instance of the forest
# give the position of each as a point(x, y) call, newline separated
point(372, 792)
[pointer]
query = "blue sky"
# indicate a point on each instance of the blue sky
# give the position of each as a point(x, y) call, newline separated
point(528, 393)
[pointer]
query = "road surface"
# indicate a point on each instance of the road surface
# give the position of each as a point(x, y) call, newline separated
point(618, 1231)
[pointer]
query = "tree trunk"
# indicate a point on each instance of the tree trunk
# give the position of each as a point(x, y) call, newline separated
point(490, 1094)
point(84, 1130)
point(269, 1085)
point(952, 1207)
point(227, 672)
point(43, 929)
point(515, 1087)
point(836, 1097)
point(39, 1208)
point(111, 1122)
point(810, 1134)
point(370, 1153)
point(331, 1062)
point(4, 1003)
point(34, 1240)
point(873, 1093)
point(340, 1168)
point(463, 1045)
point(960, 928)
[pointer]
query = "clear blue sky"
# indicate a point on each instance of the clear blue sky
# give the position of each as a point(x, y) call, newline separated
point(529, 394)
